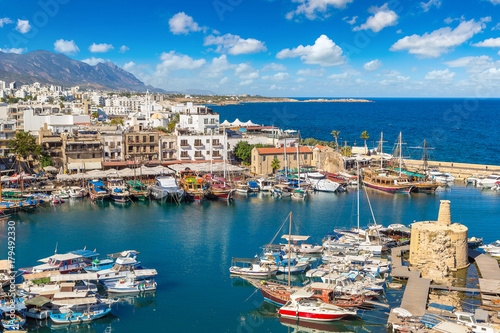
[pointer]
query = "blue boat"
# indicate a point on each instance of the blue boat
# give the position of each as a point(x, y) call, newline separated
point(100, 264)
point(79, 317)
point(12, 318)
point(97, 190)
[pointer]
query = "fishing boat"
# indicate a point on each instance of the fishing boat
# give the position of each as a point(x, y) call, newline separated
point(166, 188)
point(138, 190)
point(125, 263)
point(305, 307)
point(62, 193)
point(56, 199)
point(252, 267)
point(5, 271)
point(242, 187)
point(39, 308)
point(12, 317)
point(220, 190)
point(118, 191)
point(97, 190)
point(79, 317)
point(70, 262)
point(299, 245)
point(196, 188)
point(281, 191)
point(299, 194)
point(131, 285)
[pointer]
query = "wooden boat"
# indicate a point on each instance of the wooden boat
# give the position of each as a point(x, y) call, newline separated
point(303, 306)
point(138, 190)
point(281, 191)
point(254, 268)
point(12, 318)
point(38, 308)
point(79, 317)
point(98, 191)
point(70, 262)
point(383, 181)
point(195, 187)
point(220, 189)
point(242, 187)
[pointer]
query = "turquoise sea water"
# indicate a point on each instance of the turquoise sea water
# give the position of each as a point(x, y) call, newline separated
point(460, 130)
point(191, 246)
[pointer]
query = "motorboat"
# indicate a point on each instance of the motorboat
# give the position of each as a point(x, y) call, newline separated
point(474, 242)
point(56, 199)
point(70, 262)
point(492, 249)
point(131, 284)
point(305, 307)
point(265, 185)
point(79, 317)
point(242, 187)
point(98, 191)
point(5, 272)
point(118, 191)
point(321, 183)
point(166, 188)
point(293, 266)
point(489, 181)
point(252, 267)
point(281, 191)
point(39, 308)
point(63, 194)
point(76, 192)
point(126, 262)
point(254, 186)
point(442, 177)
point(299, 245)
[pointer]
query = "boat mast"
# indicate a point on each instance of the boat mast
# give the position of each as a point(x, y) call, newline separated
point(298, 160)
point(359, 180)
point(225, 156)
point(381, 150)
point(286, 171)
point(426, 165)
point(289, 247)
point(400, 154)
point(211, 153)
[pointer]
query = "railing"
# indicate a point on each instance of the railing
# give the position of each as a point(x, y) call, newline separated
point(200, 157)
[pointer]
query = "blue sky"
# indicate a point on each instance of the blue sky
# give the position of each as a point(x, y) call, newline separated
point(330, 48)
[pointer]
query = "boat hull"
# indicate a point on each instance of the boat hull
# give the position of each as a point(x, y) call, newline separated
point(390, 189)
point(310, 316)
point(75, 318)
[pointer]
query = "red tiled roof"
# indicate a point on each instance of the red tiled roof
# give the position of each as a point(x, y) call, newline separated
point(289, 150)
point(118, 163)
point(320, 147)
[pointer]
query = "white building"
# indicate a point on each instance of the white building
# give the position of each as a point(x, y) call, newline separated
point(113, 146)
point(201, 147)
point(196, 118)
point(57, 123)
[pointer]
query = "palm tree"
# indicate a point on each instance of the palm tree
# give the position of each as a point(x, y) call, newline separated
point(275, 164)
point(365, 137)
point(346, 151)
point(336, 135)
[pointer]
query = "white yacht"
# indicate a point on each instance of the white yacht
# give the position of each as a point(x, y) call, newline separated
point(489, 181)
point(124, 264)
point(165, 187)
point(320, 183)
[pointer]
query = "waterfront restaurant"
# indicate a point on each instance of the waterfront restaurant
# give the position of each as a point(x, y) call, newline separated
point(263, 157)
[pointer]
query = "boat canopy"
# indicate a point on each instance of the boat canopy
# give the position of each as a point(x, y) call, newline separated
point(122, 254)
point(61, 257)
point(15, 307)
point(85, 253)
point(74, 277)
point(245, 260)
point(38, 301)
point(97, 183)
point(301, 294)
point(75, 301)
point(41, 275)
point(295, 238)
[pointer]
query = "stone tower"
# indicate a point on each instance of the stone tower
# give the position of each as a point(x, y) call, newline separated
point(438, 247)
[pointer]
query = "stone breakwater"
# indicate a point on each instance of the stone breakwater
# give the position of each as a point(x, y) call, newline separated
point(458, 170)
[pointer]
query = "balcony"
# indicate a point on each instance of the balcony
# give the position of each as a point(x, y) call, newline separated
point(199, 157)
point(217, 157)
point(199, 145)
point(185, 157)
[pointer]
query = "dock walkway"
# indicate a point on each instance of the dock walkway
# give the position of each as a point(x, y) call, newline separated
point(486, 264)
point(397, 268)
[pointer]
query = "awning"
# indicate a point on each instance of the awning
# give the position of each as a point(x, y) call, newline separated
point(37, 301)
point(50, 168)
point(296, 238)
point(93, 166)
point(75, 166)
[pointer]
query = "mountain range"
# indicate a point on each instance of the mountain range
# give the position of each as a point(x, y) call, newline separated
point(55, 68)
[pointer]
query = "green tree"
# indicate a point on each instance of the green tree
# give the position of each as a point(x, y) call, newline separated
point(173, 122)
point(116, 121)
point(243, 151)
point(365, 137)
point(45, 160)
point(161, 129)
point(62, 98)
point(95, 114)
point(61, 106)
point(24, 145)
point(2, 100)
point(275, 164)
point(346, 151)
point(335, 135)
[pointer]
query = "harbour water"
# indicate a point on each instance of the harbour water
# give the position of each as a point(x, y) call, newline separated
point(460, 130)
point(191, 246)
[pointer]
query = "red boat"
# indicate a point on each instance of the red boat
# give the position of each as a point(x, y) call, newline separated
point(305, 307)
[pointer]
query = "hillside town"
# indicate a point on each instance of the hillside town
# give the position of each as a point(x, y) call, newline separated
point(93, 130)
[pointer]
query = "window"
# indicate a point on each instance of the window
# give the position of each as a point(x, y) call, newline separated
point(276, 156)
point(208, 140)
point(184, 143)
point(137, 138)
point(77, 155)
point(130, 149)
point(144, 148)
point(294, 157)
point(215, 142)
point(190, 121)
point(197, 143)
point(151, 148)
point(212, 121)
point(198, 154)
point(118, 143)
point(263, 158)
point(93, 155)
point(170, 145)
point(206, 121)
point(106, 143)
point(184, 154)
point(144, 138)
point(152, 138)
point(208, 153)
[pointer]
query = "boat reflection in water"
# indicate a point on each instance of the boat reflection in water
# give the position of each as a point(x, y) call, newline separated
point(307, 326)
point(141, 300)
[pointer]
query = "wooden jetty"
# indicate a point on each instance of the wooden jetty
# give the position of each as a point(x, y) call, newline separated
point(398, 270)
point(487, 266)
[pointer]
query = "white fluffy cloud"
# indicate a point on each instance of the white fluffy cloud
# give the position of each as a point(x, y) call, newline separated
point(129, 65)
point(217, 67)
point(342, 76)
point(311, 72)
point(281, 76)
point(495, 2)
point(382, 17)
point(443, 75)
point(66, 46)
point(470, 62)
point(14, 50)
point(234, 44)
point(439, 41)
point(93, 61)
point(427, 5)
point(372, 66)
point(350, 21)
point(173, 62)
point(324, 52)
point(4, 21)
point(23, 26)
point(123, 49)
point(273, 67)
point(313, 9)
point(245, 71)
point(100, 48)
point(181, 23)
point(490, 42)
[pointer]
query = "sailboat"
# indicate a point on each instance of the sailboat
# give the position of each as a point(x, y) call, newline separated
point(299, 192)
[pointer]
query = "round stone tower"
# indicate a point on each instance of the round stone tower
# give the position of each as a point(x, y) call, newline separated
point(438, 247)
